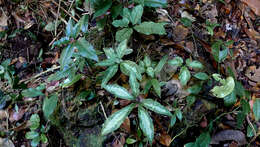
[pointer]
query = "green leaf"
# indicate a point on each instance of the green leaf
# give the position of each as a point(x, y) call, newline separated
point(147, 86)
point(116, 10)
point(65, 57)
point(31, 135)
point(130, 141)
point(150, 27)
point(69, 28)
point(250, 132)
point(107, 62)
point(178, 113)
point(147, 61)
point(256, 109)
point(51, 26)
point(201, 76)
point(186, 22)
point(146, 123)
point(83, 23)
point(150, 72)
point(155, 3)
point(109, 73)
point(173, 120)
point(177, 61)
point(102, 10)
point(110, 53)
point(160, 65)
point(121, 23)
point(191, 144)
point(34, 121)
point(194, 64)
point(85, 49)
point(156, 107)
point(49, 105)
point(134, 84)
point(127, 14)
point(2, 69)
point(71, 80)
point(203, 140)
point(44, 139)
point(32, 92)
point(156, 86)
point(62, 41)
point(227, 87)
point(129, 66)
point(60, 74)
point(230, 99)
point(194, 89)
point(35, 141)
point(136, 14)
point(124, 34)
point(119, 91)
point(240, 90)
point(245, 106)
point(116, 119)
point(190, 100)
point(184, 75)
point(218, 54)
point(240, 119)
point(122, 49)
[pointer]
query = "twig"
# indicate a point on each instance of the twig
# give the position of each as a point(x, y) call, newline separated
point(65, 11)
point(102, 107)
point(54, 39)
point(252, 127)
point(38, 75)
point(56, 22)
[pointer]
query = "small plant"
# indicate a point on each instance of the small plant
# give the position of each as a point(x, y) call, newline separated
point(114, 60)
point(152, 70)
point(74, 56)
point(211, 26)
point(134, 16)
point(184, 75)
point(36, 134)
point(220, 50)
point(7, 72)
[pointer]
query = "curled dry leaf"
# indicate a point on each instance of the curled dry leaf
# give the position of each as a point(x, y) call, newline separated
point(254, 5)
point(165, 139)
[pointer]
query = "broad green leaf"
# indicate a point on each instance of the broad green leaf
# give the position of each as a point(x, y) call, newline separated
point(129, 66)
point(62, 41)
point(110, 53)
point(240, 119)
point(105, 6)
point(130, 141)
point(203, 140)
point(150, 72)
point(173, 120)
point(32, 92)
point(147, 86)
point(122, 49)
point(250, 132)
point(230, 99)
point(256, 109)
point(240, 90)
point(156, 86)
point(227, 87)
point(116, 119)
point(136, 14)
point(150, 27)
point(44, 139)
point(116, 10)
point(49, 105)
point(191, 144)
point(190, 100)
point(121, 23)
point(201, 76)
point(218, 54)
point(184, 75)
point(60, 74)
point(124, 34)
point(186, 22)
point(34, 122)
point(127, 14)
point(107, 62)
point(134, 84)
point(69, 28)
point(65, 57)
point(156, 107)
point(160, 65)
point(85, 49)
point(71, 80)
point(83, 23)
point(155, 3)
point(146, 123)
point(35, 141)
point(177, 61)
point(119, 91)
point(147, 61)
point(194, 89)
point(31, 135)
point(194, 64)
point(109, 73)
point(178, 113)
point(245, 106)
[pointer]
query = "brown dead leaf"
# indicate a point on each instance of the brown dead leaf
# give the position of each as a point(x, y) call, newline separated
point(119, 143)
point(126, 125)
point(3, 22)
point(254, 5)
point(15, 116)
point(253, 74)
point(180, 33)
point(165, 139)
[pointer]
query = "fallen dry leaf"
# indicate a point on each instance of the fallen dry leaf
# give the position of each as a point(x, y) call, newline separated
point(254, 5)
point(165, 139)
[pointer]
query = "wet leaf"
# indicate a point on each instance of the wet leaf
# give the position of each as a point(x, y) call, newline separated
point(227, 87)
point(119, 91)
point(124, 34)
point(184, 75)
point(146, 123)
point(156, 107)
point(49, 105)
point(177, 61)
point(256, 109)
point(116, 119)
point(149, 28)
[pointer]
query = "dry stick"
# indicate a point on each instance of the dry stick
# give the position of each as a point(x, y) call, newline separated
point(54, 39)
point(251, 126)
point(65, 11)
point(38, 75)
point(56, 22)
